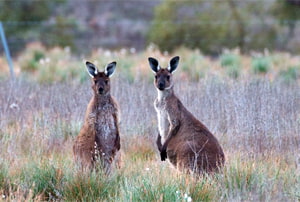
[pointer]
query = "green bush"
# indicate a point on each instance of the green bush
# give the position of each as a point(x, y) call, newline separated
point(231, 62)
point(261, 65)
point(290, 75)
point(32, 64)
point(172, 28)
point(229, 59)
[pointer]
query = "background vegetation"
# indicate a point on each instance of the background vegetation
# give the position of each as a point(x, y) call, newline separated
point(213, 25)
point(208, 25)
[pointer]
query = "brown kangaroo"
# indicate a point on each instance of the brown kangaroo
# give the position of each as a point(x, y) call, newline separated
point(187, 143)
point(99, 139)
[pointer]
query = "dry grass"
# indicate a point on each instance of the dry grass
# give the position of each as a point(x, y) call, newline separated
point(256, 121)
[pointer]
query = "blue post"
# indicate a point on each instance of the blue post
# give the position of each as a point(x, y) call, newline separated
point(6, 49)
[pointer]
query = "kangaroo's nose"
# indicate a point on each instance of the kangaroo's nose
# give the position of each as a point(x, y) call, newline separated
point(101, 90)
point(161, 86)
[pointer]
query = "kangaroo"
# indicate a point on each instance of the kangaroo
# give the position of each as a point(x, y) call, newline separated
point(187, 143)
point(99, 138)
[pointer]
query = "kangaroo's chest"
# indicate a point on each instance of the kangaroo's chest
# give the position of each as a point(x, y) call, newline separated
point(163, 118)
point(104, 123)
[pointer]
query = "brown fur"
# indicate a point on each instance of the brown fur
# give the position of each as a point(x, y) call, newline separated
point(187, 143)
point(98, 139)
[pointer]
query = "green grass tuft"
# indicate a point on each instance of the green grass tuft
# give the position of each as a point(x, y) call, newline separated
point(261, 65)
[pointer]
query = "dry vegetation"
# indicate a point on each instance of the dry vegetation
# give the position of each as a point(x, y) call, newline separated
point(256, 117)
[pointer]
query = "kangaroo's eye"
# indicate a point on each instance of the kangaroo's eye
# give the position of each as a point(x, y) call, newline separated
point(95, 81)
point(106, 81)
point(168, 77)
point(155, 76)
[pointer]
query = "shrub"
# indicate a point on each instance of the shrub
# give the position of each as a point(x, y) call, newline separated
point(30, 59)
point(261, 65)
point(231, 62)
point(290, 75)
point(174, 25)
point(229, 59)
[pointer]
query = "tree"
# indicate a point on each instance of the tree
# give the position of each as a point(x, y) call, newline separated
point(212, 25)
point(288, 13)
point(24, 20)
point(194, 24)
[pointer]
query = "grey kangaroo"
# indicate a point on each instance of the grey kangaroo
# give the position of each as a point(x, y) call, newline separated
point(183, 139)
point(99, 138)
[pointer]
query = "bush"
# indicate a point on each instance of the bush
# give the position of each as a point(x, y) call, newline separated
point(261, 65)
point(231, 62)
point(31, 58)
point(190, 24)
point(229, 59)
point(290, 75)
point(174, 27)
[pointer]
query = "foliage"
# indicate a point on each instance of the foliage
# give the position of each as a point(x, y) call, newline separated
point(206, 25)
point(61, 34)
point(35, 25)
point(229, 59)
point(191, 24)
point(48, 65)
point(261, 65)
point(290, 75)
point(29, 13)
point(286, 11)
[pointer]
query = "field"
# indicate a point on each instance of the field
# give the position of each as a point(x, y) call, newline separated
point(250, 102)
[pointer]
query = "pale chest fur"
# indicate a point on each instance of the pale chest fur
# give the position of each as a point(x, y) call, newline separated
point(162, 117)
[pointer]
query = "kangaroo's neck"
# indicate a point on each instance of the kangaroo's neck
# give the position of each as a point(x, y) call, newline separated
point(101, 100)
point(163, 94)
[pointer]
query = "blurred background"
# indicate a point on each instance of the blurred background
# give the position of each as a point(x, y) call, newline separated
point(208, 25)
point(231, 38)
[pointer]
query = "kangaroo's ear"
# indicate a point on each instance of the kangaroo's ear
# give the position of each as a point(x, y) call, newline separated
point(153, 64)
point(91, 68)
point(173, 64)
point(110, 69)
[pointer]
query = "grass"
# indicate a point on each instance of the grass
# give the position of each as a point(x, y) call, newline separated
point(257, 123)
point(256, 118)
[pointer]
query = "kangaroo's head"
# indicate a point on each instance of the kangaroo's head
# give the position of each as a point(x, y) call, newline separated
point(163, 76)
point(101, 81)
